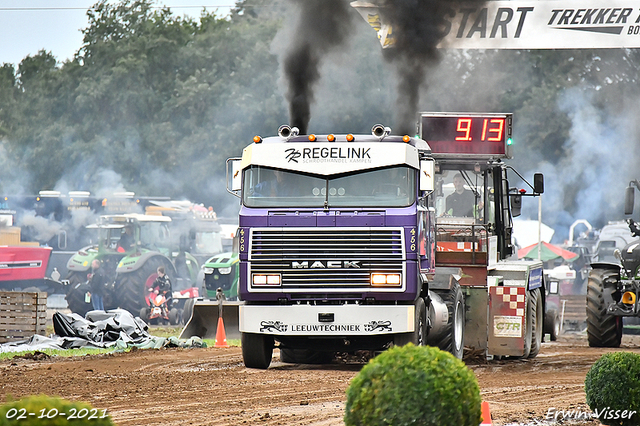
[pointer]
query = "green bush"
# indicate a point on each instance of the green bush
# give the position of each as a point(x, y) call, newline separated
point(612, 387)
point(414, 385)
point(51, 411)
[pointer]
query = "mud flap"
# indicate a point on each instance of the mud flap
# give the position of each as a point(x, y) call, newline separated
point(204, 320)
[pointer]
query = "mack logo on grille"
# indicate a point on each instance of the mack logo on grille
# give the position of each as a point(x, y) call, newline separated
point(324, 265)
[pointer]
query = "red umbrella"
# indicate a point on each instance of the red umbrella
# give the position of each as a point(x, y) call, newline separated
point(547, 252)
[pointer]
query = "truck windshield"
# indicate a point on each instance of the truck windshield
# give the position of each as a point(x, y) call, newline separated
point(388, 187)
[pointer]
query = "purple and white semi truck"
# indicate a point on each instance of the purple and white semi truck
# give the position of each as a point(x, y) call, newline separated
point(336, 244)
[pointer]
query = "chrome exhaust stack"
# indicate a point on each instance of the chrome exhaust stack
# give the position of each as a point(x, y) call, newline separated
point(379, 131)
point(287, 132)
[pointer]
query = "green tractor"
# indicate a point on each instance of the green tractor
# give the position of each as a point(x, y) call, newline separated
point(221, 271)
point(131, 247)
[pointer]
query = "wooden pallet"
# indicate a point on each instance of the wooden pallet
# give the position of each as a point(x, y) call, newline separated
point(22, 314)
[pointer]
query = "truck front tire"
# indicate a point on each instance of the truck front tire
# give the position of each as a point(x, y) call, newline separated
point(257, 350)
point(603, 330)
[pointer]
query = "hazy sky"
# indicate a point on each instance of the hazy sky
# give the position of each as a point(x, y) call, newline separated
point(27, 26)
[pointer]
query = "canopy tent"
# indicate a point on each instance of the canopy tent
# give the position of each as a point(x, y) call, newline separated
point(525, 232)
point(548, 252)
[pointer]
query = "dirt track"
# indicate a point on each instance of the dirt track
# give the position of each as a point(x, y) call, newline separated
point(212, 387)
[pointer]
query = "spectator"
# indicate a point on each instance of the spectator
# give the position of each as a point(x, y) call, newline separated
point(97, 283)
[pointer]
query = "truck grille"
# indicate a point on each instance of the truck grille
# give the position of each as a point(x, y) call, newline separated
point(336, 257)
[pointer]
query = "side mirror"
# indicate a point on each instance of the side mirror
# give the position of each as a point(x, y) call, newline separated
point(516, 204)
point(234, 176)
point(235, 246)
point(538, 183)
point(629, 200)
point(427, 175)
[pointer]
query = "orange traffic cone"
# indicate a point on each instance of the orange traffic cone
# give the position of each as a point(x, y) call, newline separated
point(486, 415)
point(221, 336)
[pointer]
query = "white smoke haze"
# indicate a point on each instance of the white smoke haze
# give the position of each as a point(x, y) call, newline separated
point(601, 158)
point(42, 228)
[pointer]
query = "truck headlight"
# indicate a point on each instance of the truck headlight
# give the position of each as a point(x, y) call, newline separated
point(208, 270)
point(266, 279)
point(225, 271)
point(385, 279)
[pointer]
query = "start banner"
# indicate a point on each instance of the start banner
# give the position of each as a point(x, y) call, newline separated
point(555, 24)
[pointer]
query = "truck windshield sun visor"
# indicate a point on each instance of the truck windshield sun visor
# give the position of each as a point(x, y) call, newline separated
point(388, 187)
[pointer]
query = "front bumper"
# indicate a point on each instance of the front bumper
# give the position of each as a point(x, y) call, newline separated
point(327, 321)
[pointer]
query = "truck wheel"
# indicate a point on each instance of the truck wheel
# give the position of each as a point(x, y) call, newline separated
point(528, 326)
point(453, 340)
point(537, 323)
point(174, 316)
point(305, 356)
point(552, 324)
point(77, 289)
point(131, 286)
point(418, 336)
point(257, 350)
point(603, 330)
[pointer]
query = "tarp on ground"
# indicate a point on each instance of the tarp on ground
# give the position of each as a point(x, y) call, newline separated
point(116, 329)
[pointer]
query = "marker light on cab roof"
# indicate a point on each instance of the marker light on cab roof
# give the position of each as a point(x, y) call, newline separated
point(257, 139)
point(331, 138)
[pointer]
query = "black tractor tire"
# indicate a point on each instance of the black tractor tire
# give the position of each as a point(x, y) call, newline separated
point(453, 340)
point(144, 314)
point(552, 325)
point(175, 316)
point(305, 356)
point(603, 330)
point(77, 289)
point(537, 322)
point(257, 350)
point(528, 325)
point(187, 311)
point(130, 286)
point(419, 334)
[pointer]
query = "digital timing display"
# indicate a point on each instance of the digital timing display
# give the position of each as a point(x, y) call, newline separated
point(479, 135)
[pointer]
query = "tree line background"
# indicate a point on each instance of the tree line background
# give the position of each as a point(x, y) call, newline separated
point(155, 103)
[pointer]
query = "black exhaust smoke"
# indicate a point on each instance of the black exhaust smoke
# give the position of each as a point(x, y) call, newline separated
point(418, 27)
point(322, 26)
